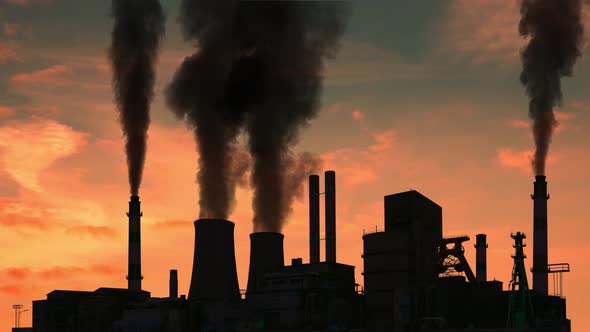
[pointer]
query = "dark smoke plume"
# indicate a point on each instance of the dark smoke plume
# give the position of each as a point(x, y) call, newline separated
point(258, 68)
point(139, 26)
point(555, 31)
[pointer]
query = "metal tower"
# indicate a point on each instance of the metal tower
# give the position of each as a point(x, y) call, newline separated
point(520, 308)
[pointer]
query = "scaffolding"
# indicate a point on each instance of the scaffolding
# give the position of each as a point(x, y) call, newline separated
point(556, 270)
point(520, 307)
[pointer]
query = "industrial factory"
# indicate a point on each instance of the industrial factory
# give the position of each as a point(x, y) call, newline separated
point(414, 280)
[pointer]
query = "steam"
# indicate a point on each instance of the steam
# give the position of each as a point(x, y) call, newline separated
point(258, 69)
point(139, 25)
point(555, 30)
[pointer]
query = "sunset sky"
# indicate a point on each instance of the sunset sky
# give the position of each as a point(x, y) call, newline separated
point(423, 95)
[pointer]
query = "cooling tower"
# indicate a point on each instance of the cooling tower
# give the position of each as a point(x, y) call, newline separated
point(330, 201)
point(481, 260)
point(214, 277)
point(314, 219)
point(266, 255)
point(134, 276)
point(540, 197)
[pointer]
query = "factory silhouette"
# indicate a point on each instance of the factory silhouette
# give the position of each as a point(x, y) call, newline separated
point(414, 280)
point(258, 70)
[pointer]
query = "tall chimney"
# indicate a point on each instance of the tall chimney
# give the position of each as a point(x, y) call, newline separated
point(540, 197)
point(330, 201)
point(481, 260)
point(314, 218)
point(134, 276)
point(214, 277)
point(266, 255)
point(173, 284)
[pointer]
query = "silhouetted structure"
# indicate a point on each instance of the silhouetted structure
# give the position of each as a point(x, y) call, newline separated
point(540, 275)
point(481, 260)
point(413, 281)
point(330, 202)
point(134, 276)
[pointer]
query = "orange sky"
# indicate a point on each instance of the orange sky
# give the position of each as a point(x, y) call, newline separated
point(447, 119)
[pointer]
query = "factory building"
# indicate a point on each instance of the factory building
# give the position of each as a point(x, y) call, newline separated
point(414, 280)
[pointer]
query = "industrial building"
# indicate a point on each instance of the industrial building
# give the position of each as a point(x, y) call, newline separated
point(414, 280)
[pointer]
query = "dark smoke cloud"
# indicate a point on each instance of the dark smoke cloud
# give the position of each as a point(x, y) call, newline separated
point(258, 68)
point(139, 26)
point(297, 170)
point(555, 31)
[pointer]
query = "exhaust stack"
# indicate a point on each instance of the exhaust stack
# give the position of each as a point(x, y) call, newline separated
point(266, 255)
point(330, 201)
point(173, 284)
point(314, 219)
point(481, 260)
point(540, 275)
point(214, 277)
point(134, 276)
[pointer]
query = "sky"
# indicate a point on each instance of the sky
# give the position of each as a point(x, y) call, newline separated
point(422, 95)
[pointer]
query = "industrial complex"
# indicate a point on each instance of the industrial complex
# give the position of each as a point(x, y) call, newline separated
point(414, 280)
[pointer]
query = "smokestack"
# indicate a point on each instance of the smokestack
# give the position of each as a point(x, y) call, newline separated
point(540, 197)
point(481, 260)
point(214, 277)
point(314, 219)
point(134, 276)
point(330, 192)
point(173, 284)
point(266, 255)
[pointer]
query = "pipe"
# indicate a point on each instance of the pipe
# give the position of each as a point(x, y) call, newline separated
point(134, 276)
point(481, 261)
point(330, 201)
point(540, 275)
point(314, 219)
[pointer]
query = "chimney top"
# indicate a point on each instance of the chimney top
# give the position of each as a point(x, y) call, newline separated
point(540, 178)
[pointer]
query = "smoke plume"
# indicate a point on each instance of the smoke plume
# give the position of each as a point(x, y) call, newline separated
point(139, 26)
point(258, 68)
point(555, 31)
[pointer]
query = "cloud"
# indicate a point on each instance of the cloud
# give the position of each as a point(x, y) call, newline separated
point(172, 225)
point(58, 75)
point(485, 31)
point(361, 63)
point(16, 31)
point(8, 51)
point(61, 272)
point(521, 160)
point(19, 221)
point(12, 289)
point(6, 111)
point(29, 146)
point(26, 3)
point(16, 272)
point(98, 232)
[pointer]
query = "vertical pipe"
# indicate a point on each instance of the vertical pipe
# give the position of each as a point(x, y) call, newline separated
point(481, 264)
point(134, 276)
point(540, 275)
point(314, 219)
point(330, 192)
point(173, 284)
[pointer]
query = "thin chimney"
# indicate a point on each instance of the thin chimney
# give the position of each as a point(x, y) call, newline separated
point(330, 201)
point(173, 284)
point(540, 197)
point(314, 219)
point(134, 276)
point(481, 260)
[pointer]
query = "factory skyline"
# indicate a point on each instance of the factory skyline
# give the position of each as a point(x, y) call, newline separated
point(77, 195)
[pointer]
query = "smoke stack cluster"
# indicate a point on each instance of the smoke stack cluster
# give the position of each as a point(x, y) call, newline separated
point(555, 31)
point(134, 276)
point(258, 69)
point(214, 277)
point(330, 217)
point(540, 252)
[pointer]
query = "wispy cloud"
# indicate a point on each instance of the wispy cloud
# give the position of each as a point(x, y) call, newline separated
point(29, 146)
point(99, 232)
